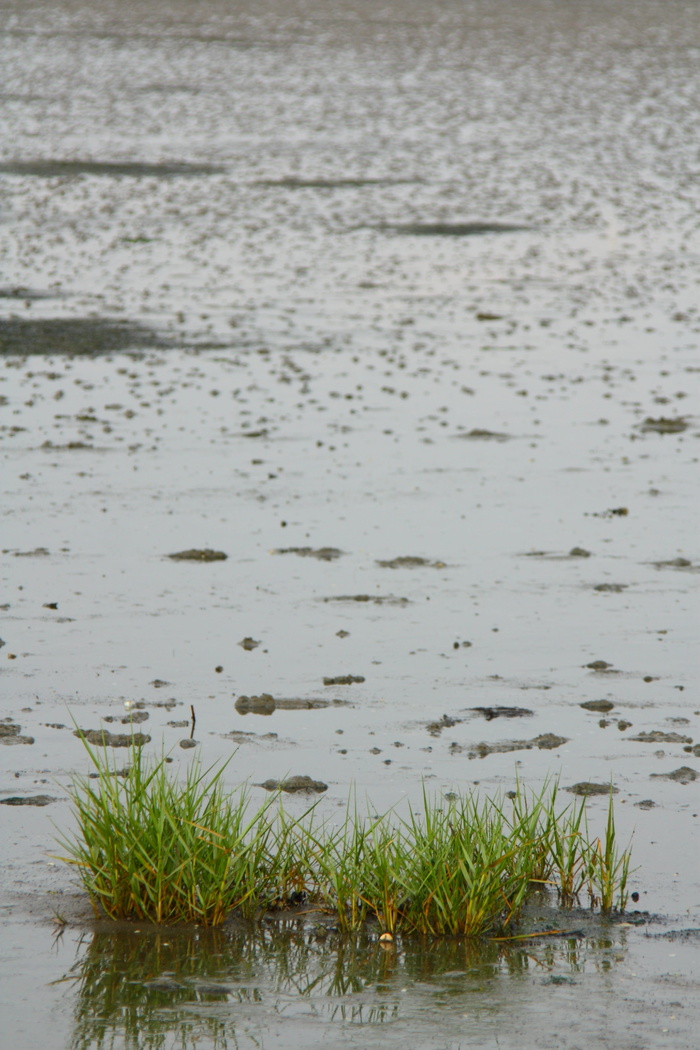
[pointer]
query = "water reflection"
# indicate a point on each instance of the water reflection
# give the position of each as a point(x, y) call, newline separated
point(150, 987)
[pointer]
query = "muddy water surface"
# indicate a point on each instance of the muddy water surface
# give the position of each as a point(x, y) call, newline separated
point(383, 320)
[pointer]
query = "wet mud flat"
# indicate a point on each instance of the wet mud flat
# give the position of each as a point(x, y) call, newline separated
point(355, 347)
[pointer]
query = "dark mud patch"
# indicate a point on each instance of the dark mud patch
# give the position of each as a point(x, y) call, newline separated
point(70, 446)
point(256, 705)
point(266, 704)
point(249, 644)
point(601, 706)
point(663, 425)
point(480, 434)
point(446, 722)
point(132, 719)
point(308, 704)
point(295, 785)
point(343, 679)
point(684, 564)
point(646, 803)
point(611, 512)
point(49, 169)
point(490, 713)
point(411, 561)
point(683, 775)
point(198, 554)
point(38, 552)
point(610, 588)
point(574, 553)
point(586, 788)
point(659, 737)
point(320, 553)
point(103, 738)
point(10, 733)
point(241, 736)
point(544, 742)
point(449, 229)
point(28, 800)
point(375, 599)
point(84, 336)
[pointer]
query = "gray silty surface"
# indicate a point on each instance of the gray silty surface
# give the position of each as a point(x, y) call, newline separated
point(396, 307)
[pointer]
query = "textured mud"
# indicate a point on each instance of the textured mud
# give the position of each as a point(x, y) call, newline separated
point(27, 800)
point(544, 742)
point(299, 784)
point(414, 284)
point(195, 554)
point(586, 788)
point(322, 554)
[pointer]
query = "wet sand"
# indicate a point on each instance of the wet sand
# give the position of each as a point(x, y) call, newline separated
point(396, 308)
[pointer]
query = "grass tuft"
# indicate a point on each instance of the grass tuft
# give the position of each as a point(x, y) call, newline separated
point(156, 848)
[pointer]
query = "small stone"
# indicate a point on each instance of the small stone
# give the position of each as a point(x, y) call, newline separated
point(603, 706)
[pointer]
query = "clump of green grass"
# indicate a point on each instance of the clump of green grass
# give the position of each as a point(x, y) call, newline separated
point(608, 868)
point(458, 869)
point(156, 848)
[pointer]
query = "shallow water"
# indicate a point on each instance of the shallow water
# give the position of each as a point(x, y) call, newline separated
point(408, 282)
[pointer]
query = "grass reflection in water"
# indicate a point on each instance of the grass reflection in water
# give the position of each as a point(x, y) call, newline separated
point(151, 987)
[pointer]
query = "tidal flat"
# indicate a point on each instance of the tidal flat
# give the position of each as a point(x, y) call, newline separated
point(349, 377)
